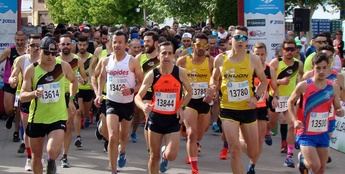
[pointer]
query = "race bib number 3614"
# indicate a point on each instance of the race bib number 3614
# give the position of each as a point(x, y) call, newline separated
point(238, 91)
point(165, 101)
point(51, 92)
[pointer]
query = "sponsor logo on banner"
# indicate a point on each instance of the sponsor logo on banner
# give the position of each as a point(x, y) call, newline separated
point(276, 22)
point(257, 33)
point(256, 22)
point(266, 1)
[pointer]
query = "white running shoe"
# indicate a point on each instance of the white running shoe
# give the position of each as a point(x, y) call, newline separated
point(28, 165)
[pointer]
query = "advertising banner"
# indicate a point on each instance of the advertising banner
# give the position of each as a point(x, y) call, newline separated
point(265, 22)
point(338, 136)
point(8, 22)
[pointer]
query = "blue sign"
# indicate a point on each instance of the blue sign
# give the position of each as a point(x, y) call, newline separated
point(6, 5)
point(264, 6)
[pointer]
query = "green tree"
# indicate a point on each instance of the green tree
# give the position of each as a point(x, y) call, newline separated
point(184, 11)
point(56, 11)
point(107, 12)
point(225, 13)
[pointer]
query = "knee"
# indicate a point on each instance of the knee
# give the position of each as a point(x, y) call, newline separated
point(315, 167)
point(191, 135)
point(113, 138)
point(170, 155)
point(154, 156)
point(53, 153)
point(235, 150)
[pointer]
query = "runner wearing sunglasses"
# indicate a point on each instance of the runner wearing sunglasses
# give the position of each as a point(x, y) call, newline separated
point(233, 75)
point(44, 87)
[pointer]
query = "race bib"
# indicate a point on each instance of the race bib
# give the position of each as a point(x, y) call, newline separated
point(51, 92)
point(165, 101)
point(116, 85)
point(16, 100)
point(238, 91)
point(199, 90)
point(318, 122)
point(282, 104)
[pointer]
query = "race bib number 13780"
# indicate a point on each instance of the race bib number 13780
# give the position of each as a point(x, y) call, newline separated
point(238, 91)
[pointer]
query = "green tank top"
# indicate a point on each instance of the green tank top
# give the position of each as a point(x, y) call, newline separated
point(87, 63)
point(51, 107)
point(104, 53)
point(287, 71)
point(74, 65)
point(147, 64)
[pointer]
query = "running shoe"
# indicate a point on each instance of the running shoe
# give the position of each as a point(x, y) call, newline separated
point(28, 165)
point(215, 127)
point(21, 148)
point(16, 137)
point(51, 167)
point(163, 166)
point(223, 155)
point(65, 163)
point(289, 162)
point(121, 160)
point(302, 168)
point(268, 140)
point(329, 160)
point(78, 143)
point(251, 169)
point(97, 133)
point(9, 122)
point(134, 137)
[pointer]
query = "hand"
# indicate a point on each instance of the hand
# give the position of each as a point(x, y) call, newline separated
point(252, 102)
point(180, 115)
point(274, 102)
point(298, 124)
point(147, 108)
point(38, 92)
point(80, 80)
point(209, 95)
point(126, 91)
point(13, 81)
point(339, 112)
point(98, 101)
point(284, 81)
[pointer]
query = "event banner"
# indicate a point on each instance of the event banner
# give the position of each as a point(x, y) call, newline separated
point(265, 22)
point(8, 22)
point(338, 136)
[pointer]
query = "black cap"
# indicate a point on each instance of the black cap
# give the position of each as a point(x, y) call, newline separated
point(48, 43)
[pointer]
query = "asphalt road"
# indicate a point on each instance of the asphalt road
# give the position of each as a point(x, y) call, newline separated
point(92, 160)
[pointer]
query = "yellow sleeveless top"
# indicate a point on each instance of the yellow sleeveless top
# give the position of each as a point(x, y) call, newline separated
point(199, 75)
point(237, 84)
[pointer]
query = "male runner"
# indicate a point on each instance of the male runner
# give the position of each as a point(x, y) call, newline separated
point(122, 75)
point(19, 66)
point(165, 110)
point(288, 70)
point(44, 87)
point(233, 75)
point(10, 54)
point(197, 112)
point(66, 55)
point(85, 93)
point(311, 118)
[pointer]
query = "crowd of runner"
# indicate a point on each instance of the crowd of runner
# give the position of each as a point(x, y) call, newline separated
point(178, 82)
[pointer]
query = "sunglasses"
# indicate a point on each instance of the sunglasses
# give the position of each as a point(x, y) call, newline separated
point(240, 38)
point(47, 53)
point(186, 40)
point(321, 42)
point(291, 49)
point(200, 45)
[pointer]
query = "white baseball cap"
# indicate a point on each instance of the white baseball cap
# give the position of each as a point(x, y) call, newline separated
point(187, 35)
